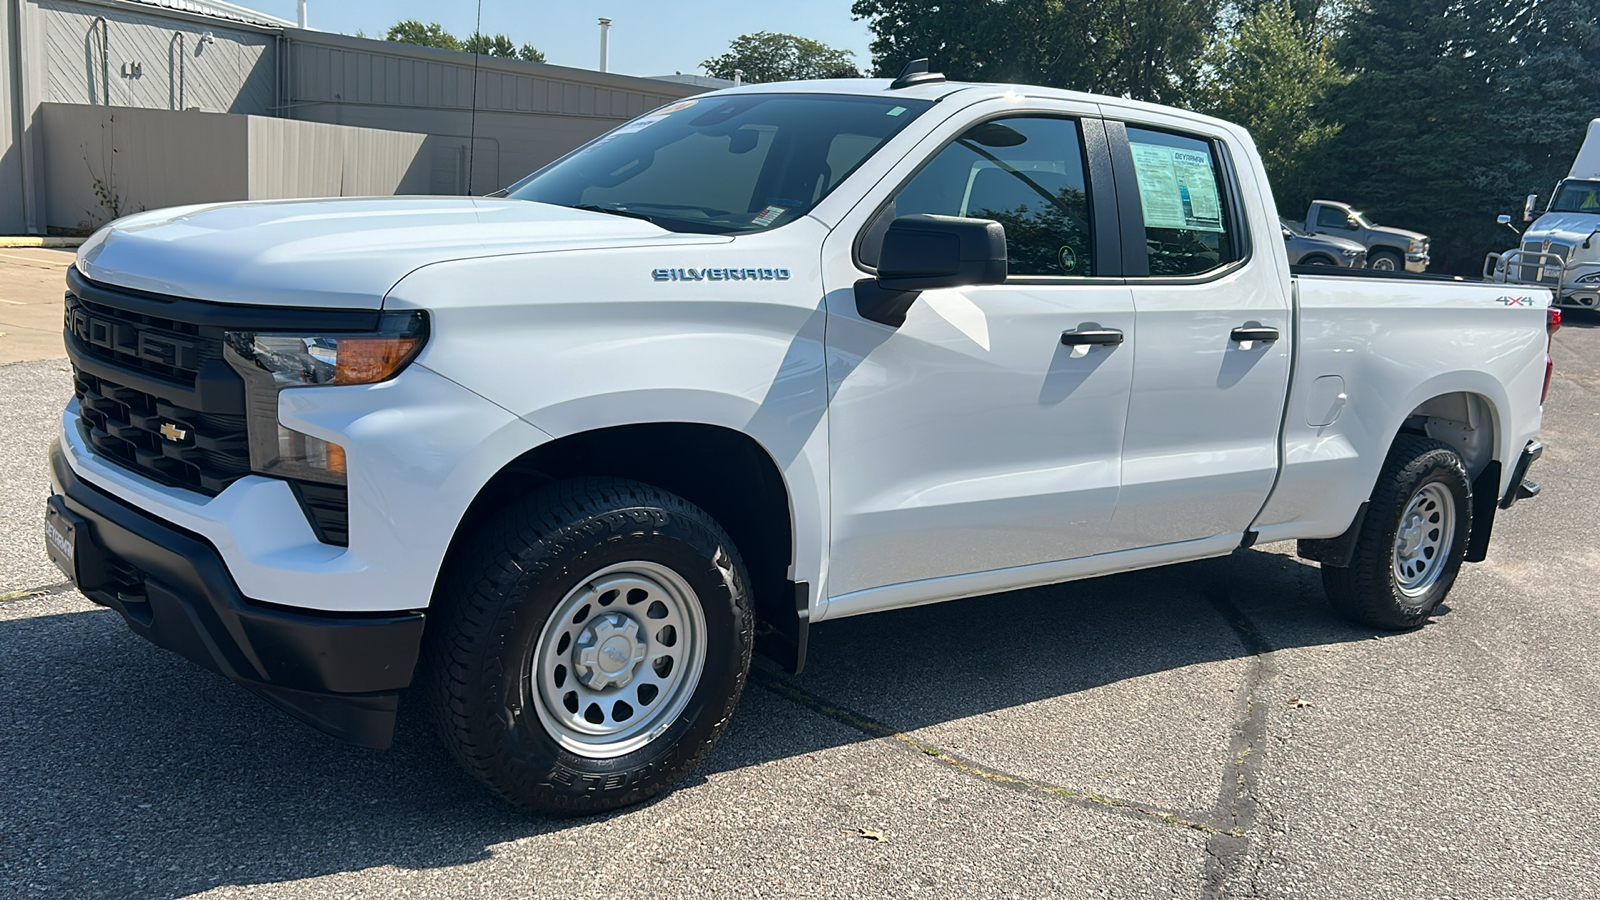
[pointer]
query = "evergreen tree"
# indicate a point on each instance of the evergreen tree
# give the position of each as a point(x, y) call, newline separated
point(1416, 149)
point(1550, 94)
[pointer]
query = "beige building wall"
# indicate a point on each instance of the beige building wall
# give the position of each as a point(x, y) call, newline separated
point(111, 161)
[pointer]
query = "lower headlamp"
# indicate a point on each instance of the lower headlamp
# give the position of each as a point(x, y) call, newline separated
point(272, 362)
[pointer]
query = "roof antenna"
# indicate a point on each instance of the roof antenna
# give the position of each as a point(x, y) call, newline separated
point(915, 72)
point(472, 131)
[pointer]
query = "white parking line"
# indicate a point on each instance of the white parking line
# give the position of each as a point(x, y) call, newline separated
point(12, 302)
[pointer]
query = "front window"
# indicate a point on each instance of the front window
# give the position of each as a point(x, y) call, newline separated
point(724, 165)
point(1578, 197)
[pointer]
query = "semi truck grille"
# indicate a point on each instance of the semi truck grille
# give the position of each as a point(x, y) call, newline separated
point(1546, 274)
point(157, 397)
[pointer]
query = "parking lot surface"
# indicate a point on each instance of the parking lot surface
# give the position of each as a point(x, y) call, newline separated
point(1206, 730)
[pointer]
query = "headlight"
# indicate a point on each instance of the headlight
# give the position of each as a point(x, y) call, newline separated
point(1414, 247)
point(1351, 252)
point(1591, 278)
point(270, 363)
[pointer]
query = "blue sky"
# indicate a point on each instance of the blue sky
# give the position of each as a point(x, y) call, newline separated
point(648, 37)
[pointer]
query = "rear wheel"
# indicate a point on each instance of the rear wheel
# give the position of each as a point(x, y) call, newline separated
point(1411, 543)
point(591, 648)
point(1385, 261)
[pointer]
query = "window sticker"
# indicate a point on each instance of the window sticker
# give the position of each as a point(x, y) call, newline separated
point(896, 111)
point(768, 216)
point(1177, 188)
point(639, 124)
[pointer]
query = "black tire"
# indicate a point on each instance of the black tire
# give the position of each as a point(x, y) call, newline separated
point(492, 614)
point(1386, 261)
point(1317, 261)
point(1370, 590)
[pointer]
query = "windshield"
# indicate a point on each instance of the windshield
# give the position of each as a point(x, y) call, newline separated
point(1293, 229)
point(1578, 197)
point(724, 165)
point(1361, 217)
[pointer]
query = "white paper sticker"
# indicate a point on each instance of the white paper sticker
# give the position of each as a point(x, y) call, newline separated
point(638, 124)
point(1177, 188)
point(768, 216)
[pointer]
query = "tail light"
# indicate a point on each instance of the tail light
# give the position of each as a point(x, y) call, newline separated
point(1552, 325)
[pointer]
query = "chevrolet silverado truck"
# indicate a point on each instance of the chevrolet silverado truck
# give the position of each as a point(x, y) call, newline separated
point(1388, 249)
point(760, 359)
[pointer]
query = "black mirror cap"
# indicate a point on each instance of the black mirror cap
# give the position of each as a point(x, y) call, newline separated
point(924, 252)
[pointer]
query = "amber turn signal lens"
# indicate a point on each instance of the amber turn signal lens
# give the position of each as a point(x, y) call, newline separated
point(364, 360)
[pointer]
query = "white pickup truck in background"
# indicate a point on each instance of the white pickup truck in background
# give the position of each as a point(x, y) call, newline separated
point(760, 359)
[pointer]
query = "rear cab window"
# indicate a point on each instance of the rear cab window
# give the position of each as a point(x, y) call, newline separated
point(1192, 224)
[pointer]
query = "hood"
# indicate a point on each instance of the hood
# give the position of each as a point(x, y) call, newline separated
point(337, 253)
point(1567, 228)
point(1400, 233)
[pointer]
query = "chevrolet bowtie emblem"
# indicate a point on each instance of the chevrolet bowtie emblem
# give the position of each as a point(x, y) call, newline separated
point(172, 432)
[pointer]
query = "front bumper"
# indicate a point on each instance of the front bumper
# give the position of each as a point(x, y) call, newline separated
point(1417, 262)
point(341, 673)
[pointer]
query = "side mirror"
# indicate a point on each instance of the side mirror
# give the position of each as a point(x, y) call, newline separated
point(1352, 224)
point(1503, 219)
point(925, 252)
point(1527, 208)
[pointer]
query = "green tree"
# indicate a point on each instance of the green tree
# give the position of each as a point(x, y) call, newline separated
point(1550, 94)
point(411, 31)
point(1270, 74)
point(768, 56)
point(1148, 49)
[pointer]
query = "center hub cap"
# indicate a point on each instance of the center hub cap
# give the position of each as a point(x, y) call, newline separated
point(608, 651)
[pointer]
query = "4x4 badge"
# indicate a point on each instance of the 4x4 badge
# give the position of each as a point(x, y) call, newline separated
point(173, 433)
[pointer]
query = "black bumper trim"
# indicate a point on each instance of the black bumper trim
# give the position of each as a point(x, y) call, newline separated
point(341, 673)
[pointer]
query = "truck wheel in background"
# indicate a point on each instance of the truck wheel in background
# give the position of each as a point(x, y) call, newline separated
point(1316, 260)
point(1385, 261)
point(1411, 544)
point(587, 647)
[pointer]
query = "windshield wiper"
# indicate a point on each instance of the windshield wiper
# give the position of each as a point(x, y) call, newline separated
point(613, 211)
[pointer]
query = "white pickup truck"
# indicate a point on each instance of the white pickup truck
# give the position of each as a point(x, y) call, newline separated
point(759, 359)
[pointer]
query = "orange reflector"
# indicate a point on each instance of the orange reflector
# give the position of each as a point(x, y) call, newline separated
point(335, 459)
point(363, 360)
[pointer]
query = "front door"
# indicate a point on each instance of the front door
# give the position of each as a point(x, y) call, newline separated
point(972, 438)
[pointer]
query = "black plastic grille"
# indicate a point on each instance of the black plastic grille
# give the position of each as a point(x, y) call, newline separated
point(1549, 271)
point(163, 347)
point(182, 447)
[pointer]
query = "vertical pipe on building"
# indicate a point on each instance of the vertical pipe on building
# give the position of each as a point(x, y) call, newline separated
point(23, 115)
point(175, 73)
point(300, 13)
point(605, 42)
point(105, 57)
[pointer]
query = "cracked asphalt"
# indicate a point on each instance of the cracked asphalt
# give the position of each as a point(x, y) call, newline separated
point(1206, 730)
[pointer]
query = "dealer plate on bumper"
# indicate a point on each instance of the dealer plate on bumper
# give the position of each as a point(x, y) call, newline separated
point(61, 530)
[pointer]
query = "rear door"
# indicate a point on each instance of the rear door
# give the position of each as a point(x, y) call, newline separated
point(1211, 367)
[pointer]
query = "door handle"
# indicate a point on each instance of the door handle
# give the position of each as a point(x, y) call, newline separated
point(1251, 333)
point(1104, 336)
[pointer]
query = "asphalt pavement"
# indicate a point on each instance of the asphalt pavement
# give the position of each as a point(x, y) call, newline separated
point(1205, 730)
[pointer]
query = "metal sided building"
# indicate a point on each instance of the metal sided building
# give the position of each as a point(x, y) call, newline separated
point(110, 106)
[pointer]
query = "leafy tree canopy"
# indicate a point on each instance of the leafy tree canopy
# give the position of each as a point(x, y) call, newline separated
point(768, 56)
point(411, 31)
point(1147, 49)
point(1270, 73)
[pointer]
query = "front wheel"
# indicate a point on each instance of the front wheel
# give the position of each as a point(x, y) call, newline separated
point(1386, 261)
point(1412, 541)
point(590, 649)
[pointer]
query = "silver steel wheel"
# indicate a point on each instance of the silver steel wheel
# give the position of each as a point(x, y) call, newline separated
point(1383, 264)
point(619, 659)
point(1422, 544)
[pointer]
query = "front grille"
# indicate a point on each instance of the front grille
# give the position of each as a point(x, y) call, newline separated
point(167, 443)
point(157, 397)
point(1550, 272)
